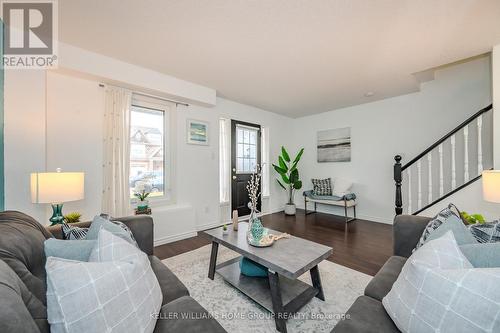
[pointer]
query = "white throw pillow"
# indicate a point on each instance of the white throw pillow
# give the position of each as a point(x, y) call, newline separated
point(438, 290)
point(341, 187)
point(116, 291)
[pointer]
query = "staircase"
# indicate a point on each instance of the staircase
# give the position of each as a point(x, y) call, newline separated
point(459, 159)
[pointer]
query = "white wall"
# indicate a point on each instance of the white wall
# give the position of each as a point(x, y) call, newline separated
point(54, 119)
point(403, 125)
point(64, 117)
point(24, 137)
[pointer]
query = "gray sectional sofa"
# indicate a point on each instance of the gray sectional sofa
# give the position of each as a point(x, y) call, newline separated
point(367, 313)
point(23, 287)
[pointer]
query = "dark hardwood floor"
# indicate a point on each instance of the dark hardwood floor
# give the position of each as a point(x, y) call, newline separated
point(363, 246)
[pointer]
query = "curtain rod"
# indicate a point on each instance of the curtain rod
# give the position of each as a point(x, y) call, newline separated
point(153, 96)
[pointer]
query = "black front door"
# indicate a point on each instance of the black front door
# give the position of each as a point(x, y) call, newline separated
point(245, 155)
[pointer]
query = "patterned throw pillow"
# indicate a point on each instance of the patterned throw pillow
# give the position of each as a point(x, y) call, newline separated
point(73, 233)
point(438, 290)
point(436, 221)
point(116, 227)
point(487, 232)
point(322, 186)
point(116, 291)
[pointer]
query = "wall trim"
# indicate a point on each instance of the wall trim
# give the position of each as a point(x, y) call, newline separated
point(174, 238)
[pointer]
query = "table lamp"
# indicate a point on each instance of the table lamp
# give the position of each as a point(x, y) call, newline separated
point(491, 185)
point(56, 188)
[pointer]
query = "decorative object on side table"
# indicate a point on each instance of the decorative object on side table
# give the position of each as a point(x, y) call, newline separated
point(290, 180)
point(142, 192)
point(472, 218)
point(225, 230)
point(73, 217)
point(491, 185)
point(235, 220)
point(56, 188)
point(255, 228)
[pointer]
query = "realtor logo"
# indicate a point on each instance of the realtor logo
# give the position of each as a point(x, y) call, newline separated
point(30, 34)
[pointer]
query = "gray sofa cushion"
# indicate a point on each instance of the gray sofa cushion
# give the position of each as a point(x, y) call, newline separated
point(485, 255)
point(382, 282)
point(366, 315)
point(22, 248)
point(20, 310)
point(187, 316)
point(171, 287)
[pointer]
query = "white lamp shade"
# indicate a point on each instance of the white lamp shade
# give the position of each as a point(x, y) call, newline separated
point(491, 185)
point(57, 187)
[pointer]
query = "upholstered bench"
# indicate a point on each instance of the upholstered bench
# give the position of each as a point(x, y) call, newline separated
point(346, 201)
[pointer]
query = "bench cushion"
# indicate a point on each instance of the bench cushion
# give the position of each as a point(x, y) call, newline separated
point(382, 282)
point(311, 195)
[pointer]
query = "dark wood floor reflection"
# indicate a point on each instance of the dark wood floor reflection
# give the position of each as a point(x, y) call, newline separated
point(363, 246)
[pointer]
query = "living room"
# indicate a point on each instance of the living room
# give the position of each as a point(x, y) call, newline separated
point(130, 110)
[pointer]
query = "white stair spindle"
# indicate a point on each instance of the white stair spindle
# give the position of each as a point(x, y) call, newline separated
point(419, 188)
point(479, 145)
point(409, 191)
point(453, 168)
point(441, 178)
point(466, 153)
point(429, 191)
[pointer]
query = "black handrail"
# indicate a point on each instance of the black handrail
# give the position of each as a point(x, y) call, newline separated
point(458, 128)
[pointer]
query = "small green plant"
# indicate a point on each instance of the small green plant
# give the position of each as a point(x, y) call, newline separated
point(73, 217)
point(224, 227)
point(473, 219)
point(142, 195)
point(287, 169)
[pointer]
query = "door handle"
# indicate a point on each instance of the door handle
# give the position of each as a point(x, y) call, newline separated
point(234, 177)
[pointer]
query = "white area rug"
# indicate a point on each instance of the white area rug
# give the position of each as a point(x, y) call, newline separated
point(237, 313)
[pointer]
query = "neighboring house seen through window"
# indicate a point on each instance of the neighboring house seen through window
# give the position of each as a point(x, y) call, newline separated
point(149, 163)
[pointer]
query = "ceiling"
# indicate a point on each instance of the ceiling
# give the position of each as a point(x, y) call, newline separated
point(294, 57)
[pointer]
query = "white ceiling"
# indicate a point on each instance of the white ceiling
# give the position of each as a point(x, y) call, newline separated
point(294, 57)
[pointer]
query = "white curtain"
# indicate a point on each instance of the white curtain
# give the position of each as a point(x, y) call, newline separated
point(224, 162)
point(116, 154)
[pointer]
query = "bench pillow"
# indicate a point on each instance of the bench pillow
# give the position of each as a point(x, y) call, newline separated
point(322, 186)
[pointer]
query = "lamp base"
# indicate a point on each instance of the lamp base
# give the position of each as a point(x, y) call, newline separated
point(57, 216)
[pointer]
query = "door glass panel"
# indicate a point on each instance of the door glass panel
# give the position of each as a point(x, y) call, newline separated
point(246, 152)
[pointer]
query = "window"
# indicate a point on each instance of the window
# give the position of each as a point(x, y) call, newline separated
point(246, 149)
point(149, 162)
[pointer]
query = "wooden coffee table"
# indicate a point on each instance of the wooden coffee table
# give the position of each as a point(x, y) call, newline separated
point(282, 293)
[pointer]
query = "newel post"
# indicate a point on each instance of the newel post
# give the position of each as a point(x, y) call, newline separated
point(398, 179)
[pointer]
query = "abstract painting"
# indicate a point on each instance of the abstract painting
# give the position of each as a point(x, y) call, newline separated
point(334, 145)
point(197, 132)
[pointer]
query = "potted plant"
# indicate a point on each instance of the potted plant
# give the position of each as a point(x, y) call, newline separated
point(225, 230)
point(73, 217)
point(290, 180)
point(142, 192)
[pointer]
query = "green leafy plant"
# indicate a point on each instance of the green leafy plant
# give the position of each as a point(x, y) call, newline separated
point(287, 169)
point(472, 218)
point(142, 195)
point(224, 227)
point(73, 217)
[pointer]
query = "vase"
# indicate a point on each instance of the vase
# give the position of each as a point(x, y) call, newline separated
point(290, 209)
point(255, 228)
point(142, 205)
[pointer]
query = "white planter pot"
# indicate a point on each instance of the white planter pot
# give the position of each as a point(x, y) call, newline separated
point(290, 209)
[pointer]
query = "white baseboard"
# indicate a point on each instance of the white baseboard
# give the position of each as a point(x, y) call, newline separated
point(174, 238)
